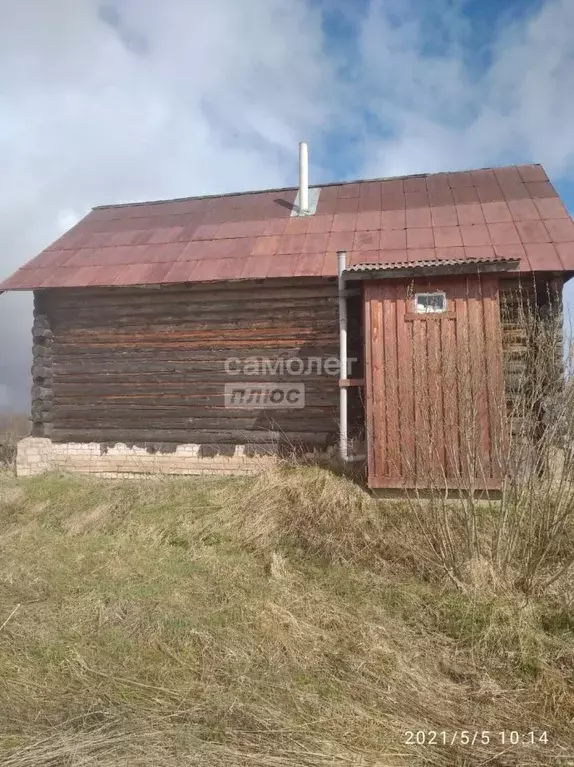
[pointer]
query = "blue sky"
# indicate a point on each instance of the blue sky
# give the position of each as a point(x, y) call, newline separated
point(471, 28)
point(104, 101)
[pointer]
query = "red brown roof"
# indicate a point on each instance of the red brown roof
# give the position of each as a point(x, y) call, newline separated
point(500, 213)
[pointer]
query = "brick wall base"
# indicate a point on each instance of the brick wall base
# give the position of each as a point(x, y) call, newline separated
point(38, 455)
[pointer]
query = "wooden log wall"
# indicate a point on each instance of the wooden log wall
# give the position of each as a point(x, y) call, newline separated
point(42, 379)
point(146, 366)
point(531, 309)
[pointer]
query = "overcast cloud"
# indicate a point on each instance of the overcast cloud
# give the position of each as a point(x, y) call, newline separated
point(104, 102)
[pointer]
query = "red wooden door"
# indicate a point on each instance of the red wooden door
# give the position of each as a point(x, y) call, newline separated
point(435, 402)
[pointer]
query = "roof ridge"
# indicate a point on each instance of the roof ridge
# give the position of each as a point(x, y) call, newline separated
point(311, 186)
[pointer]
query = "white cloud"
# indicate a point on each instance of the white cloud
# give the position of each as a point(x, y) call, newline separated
point(143, 100)
point(67, 219)
point(102, 103)
point(446, 115)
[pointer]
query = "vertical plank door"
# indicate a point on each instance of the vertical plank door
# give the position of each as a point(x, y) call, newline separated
point(435, 399)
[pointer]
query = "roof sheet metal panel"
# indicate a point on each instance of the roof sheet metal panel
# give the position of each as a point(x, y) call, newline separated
point(493, 213)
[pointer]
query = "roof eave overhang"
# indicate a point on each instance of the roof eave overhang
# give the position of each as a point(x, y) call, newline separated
point(373, 272)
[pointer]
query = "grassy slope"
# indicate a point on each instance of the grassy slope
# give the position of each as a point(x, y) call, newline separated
point(289, 620)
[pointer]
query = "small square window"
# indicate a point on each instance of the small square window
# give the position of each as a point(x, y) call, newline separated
point(430, 302)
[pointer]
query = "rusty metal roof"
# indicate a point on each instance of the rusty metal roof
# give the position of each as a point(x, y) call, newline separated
point(496, 213)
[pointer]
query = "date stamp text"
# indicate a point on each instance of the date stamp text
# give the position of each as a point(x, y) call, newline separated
point(476, 737)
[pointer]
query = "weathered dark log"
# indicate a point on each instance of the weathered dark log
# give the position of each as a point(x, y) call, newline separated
point(218, 313)
point(41, 393)
point(207, 292)
point(41, 334)
point(39, 407)
point(189, 388)
point(41, 352)
point(130, 401)
point(142, 356)
point(181, 436)
point(148, 366)
point(213, 372)
point(41, 321)
point(43, 416)
point(42, 371)
point(176, 410)
point(257, 423)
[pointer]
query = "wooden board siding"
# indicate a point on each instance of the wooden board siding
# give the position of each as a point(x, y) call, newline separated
point(147, 366)
point(434, 384)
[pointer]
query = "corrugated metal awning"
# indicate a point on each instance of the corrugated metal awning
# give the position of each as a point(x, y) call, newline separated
point(434, 267)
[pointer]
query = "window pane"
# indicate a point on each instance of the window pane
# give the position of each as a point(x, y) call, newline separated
point(430, 302)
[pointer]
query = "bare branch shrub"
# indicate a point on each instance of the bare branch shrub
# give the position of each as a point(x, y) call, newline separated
point(12, 429)
point(476, 432)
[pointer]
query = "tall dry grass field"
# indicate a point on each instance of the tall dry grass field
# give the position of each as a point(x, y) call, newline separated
point(284, 620)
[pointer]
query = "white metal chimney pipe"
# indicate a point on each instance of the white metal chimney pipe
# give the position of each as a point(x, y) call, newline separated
point(343, 437)
point(303, 177)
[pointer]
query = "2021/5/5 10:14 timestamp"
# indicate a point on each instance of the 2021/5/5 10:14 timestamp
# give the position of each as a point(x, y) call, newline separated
point(475, 737)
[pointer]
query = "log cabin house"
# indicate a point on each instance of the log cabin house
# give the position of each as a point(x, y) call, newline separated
point(209, 334)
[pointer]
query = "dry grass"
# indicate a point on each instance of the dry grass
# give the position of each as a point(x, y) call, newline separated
point(285, 620)
point(12, 428)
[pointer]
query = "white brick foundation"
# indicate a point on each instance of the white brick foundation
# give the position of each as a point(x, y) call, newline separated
point(38, 455)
